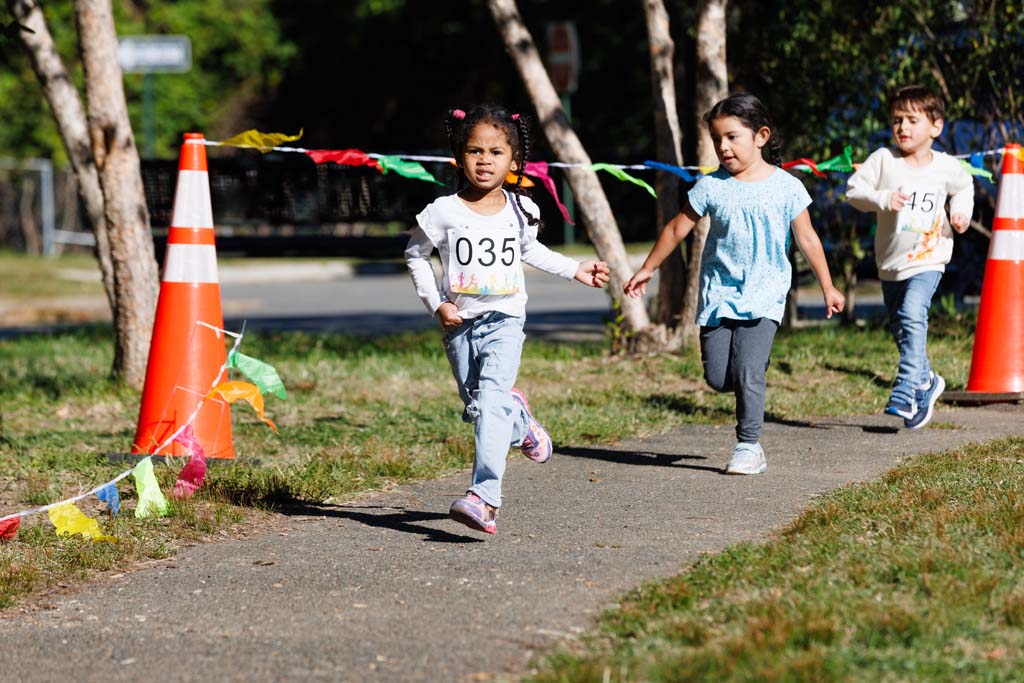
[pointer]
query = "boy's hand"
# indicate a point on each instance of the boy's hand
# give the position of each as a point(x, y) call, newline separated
point(449, 316)
point(960, 222)
point(593, 273)
point(897, 200)
point(835, 302)
point(637, 285)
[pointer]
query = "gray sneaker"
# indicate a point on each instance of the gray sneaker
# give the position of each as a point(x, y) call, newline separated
point(747, 458)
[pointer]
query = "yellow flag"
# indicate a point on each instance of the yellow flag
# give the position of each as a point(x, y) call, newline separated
point(232, 391)
point(261, 141)
point(69, 521)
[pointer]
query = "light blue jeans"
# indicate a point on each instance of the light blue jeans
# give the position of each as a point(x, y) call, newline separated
point(484, 354)
point(907, 302)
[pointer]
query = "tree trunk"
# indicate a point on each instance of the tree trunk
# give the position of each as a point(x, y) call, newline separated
point(712, 86)
point(598, 218)
point(69, 114)
point(668, 141)
point(29, 228)
point(113, 148)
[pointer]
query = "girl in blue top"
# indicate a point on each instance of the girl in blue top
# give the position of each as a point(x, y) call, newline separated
point(744, 271)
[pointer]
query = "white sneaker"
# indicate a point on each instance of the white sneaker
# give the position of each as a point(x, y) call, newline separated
point(747, 458)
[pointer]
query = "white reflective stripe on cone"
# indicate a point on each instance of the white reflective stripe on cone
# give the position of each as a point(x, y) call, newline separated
point(1010, 203)
point(192, 208)
point(1007, 245)
point(191, 263)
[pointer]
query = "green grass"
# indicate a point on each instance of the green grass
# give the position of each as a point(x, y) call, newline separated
point(917, 577)
point(366, 414)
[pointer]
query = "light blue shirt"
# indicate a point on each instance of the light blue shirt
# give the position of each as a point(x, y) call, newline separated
point(744, 271)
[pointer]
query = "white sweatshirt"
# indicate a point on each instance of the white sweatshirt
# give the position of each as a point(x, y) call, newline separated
point(450, 212)
point(904, 248)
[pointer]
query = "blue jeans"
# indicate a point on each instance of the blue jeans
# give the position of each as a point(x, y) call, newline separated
point(907, 302)
point(484, 354)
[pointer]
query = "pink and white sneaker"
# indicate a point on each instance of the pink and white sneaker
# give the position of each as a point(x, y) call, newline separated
point(472, 511)
point(537, 444)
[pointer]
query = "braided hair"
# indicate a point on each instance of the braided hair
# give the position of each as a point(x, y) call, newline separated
point(460, 124)
point(752, 113)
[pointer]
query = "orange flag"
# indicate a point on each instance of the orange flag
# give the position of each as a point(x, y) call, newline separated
point(232, 391)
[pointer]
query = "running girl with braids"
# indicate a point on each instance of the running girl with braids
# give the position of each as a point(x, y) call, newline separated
point(483, 234)
point(744, 270)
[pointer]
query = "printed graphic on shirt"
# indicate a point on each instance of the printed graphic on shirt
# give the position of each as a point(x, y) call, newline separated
point(919, 211)
point(484, 261)
point(927, 243)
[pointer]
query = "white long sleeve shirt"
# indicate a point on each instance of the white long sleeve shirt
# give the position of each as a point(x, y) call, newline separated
point(433, 231)
point(908, 243)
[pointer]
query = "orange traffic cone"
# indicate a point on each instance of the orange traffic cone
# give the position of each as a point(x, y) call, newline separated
point(186, 354)
point(997, 364)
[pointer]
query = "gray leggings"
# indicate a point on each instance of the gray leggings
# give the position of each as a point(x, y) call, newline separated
point(735, 354)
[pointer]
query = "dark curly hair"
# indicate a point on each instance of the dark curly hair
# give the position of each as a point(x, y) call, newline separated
point(753, 114)
point(516, 130)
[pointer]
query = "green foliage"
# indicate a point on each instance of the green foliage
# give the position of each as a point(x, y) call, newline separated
point(238, 58)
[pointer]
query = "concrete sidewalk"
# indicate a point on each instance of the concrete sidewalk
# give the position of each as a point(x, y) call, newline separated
point(389, 589)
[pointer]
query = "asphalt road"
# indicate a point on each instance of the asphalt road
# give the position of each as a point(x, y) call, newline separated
point(386, 588)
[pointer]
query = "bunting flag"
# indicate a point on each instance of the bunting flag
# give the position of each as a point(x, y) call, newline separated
point(980, 172)
point(192, 474)
point(803, 164)
point(9, 527)
point(69, 520)
point(259, 373)
point(539, 170)
point(622, 175)
point(108, 494)
point(151, 499)
point(677, 170)
point(264, 142)
point(345, 157)
point(842, 162)
point(233, 391)
point(406, 169)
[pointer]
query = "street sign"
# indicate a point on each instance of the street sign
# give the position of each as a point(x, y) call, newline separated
point(154, 54)
point(563, 56)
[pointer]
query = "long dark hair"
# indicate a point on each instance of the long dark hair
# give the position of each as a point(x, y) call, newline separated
point(749, 110)
point(459, 125)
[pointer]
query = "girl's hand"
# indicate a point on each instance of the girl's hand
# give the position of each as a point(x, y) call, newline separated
point(960, 222)
point(835, 302)
point(637, 285)
point(593, 273)
point(897, 200)
point(449, 316)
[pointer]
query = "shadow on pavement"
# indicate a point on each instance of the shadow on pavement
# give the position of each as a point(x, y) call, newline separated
point(403, 520)
point(634, 458)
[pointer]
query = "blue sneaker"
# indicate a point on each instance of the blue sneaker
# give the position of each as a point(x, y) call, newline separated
point(901, 408)
point(925, 399)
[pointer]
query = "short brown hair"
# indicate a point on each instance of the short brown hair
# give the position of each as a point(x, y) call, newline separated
point(918, 97)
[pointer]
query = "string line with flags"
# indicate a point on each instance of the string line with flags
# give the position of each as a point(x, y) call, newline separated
point(411, 165)
point(69, 520)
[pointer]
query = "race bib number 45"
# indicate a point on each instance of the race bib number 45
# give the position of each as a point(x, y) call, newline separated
point(484, 261)
point(918, 212)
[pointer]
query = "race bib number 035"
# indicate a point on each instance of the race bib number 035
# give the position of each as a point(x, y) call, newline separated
point(484, 261)
point(918, 212)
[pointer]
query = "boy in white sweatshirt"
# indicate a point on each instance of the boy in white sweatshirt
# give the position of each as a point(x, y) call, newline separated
point(908, 187)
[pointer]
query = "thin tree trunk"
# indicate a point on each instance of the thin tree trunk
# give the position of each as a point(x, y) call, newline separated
point(29, 228)
point(67, 109)
point(598, 218)
point(668, 142)
point(712, 85)
point(113, 148)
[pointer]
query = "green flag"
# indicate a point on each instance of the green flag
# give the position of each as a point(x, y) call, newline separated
point(407, 169)
point(622, 175)
point(974, 170)
point(843, 162)
point(151, 498)
point(259, 373)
